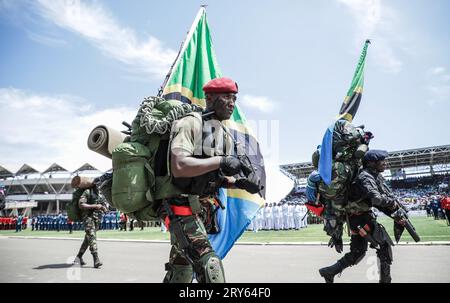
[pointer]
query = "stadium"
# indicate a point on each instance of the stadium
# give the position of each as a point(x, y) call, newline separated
point(402, 165)
point(39, 193)
point(417, 176)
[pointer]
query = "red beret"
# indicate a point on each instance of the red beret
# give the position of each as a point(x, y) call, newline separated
point(221, 85)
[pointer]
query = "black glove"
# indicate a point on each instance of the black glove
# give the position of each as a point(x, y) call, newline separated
point(252, 184)
point(230, 165)
point(392, 205)
point(337, 243)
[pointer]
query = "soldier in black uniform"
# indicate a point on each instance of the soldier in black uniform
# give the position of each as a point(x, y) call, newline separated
point(367, 190)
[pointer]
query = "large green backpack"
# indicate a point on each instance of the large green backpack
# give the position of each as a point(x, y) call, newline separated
point(73, 209)
point(140, 165)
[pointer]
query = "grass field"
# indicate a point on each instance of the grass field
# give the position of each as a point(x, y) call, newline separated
point(428, 229)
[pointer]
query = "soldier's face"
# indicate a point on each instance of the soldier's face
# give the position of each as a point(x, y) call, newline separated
point(222, 105)
point(380, 166)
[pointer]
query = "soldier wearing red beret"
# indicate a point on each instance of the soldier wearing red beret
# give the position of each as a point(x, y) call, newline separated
point(201, 162)
point(220, 97)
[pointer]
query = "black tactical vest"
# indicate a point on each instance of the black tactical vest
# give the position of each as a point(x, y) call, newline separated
point(209, 183)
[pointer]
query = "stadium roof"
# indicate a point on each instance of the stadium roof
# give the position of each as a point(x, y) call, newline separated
point(4, 173)
point(86, 167)
point(55, 168)
point(26, 170)
point(426, 156)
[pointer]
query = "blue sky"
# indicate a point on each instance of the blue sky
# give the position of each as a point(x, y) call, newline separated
point(67, 66)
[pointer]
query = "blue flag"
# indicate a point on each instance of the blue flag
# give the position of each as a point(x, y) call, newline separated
point(326, 155)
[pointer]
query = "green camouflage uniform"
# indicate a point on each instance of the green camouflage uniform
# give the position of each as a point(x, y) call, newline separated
point(91, 219)
point(187, 135)
point(346, 139)
point(200, 249)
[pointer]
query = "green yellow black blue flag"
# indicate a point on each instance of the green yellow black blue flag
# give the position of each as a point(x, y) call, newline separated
point(348, 111)
point(353, 98)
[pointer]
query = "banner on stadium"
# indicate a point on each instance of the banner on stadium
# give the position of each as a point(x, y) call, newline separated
point(20, 204)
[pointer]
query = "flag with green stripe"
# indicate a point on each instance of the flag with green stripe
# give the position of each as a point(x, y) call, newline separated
point(347, 112)
point(353, 98)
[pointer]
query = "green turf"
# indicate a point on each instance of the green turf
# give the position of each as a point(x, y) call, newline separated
point(428, 229)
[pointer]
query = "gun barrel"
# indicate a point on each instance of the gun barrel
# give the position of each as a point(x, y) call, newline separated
point(126, 124)
point(403, 213)
point(412, 231)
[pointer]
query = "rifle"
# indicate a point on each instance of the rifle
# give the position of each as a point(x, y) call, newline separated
point(401, 218)
point(251, 182)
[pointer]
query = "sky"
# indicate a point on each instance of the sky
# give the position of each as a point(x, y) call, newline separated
point(67, 66)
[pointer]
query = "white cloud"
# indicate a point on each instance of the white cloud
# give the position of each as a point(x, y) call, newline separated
point(40, 130)
point(375, 20)
point(92, 22)
point(367, 14)
point(439, 70)
point(260, 103)
point(438, 85)
point(46, 39)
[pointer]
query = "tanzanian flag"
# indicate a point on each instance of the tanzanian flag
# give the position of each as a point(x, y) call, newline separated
point(195, 65)
point(348, 111)
point(351, 102)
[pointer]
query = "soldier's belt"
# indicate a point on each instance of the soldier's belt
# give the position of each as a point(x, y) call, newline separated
point(181, 210)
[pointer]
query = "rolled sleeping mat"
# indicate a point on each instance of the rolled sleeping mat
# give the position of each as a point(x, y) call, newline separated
point(104, 139)
point(81, 182)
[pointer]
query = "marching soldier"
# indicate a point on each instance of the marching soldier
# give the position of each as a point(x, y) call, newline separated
point(92, 207)
point(367, 191)
point(199, 171)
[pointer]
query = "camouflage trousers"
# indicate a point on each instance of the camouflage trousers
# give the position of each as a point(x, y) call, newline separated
point(199, 247)
point(333, 219)
point(91, 226)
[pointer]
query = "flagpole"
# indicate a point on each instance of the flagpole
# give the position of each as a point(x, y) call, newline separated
point(166, 79)
point(182, 48)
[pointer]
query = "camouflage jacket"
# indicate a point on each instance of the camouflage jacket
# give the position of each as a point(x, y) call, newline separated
point(91, 197)
point(346, 139)
point(369, 190)
point(335, 193)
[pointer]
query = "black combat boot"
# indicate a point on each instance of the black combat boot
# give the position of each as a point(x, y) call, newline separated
point(97, 262)
point(80, 258)
point(329, 272)
point(385, 272)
